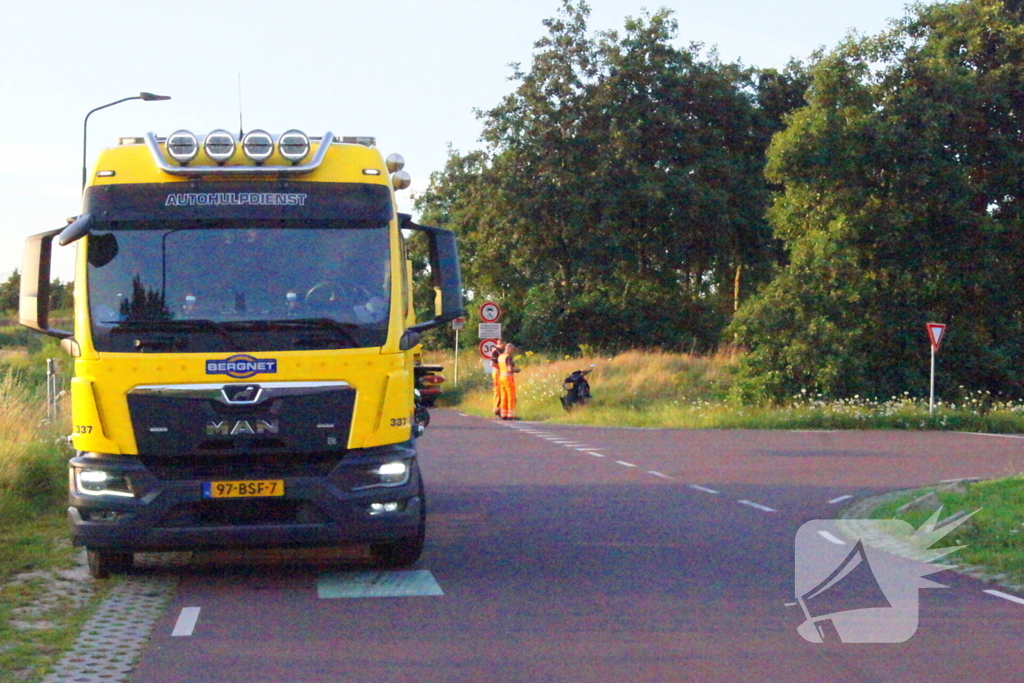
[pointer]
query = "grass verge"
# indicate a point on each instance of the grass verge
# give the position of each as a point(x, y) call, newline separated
point(665, 390)
point(994, 537)
point(45, 593)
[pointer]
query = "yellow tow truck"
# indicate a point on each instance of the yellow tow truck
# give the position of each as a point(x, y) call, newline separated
point(244, 343)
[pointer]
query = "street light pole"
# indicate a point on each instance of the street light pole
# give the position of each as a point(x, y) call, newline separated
point(144, 96)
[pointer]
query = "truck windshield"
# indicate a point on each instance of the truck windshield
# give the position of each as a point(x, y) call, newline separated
point(234, 285)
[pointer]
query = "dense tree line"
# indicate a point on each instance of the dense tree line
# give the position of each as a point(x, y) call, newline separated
point(902, 203)
point(619, 200)
point(631, 193)
point(61, 293)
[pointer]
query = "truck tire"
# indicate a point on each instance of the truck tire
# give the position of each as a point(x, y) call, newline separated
point(403, 551)
point(103, 563)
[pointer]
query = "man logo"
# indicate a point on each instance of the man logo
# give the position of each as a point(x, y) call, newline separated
point(242, 428)
point(852, 593)
point(241, 393)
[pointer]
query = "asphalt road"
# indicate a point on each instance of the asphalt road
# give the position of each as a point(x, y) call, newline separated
point(591, 555)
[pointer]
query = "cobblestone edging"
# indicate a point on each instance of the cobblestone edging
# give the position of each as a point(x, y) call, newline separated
point(853, 526)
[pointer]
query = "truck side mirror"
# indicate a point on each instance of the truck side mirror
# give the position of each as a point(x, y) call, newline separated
point(34, 303)
point(444, 271)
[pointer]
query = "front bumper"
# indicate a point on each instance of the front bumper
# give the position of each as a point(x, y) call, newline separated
point(170, 512)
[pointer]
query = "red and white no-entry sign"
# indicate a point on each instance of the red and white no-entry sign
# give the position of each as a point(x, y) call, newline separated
point(935, 332)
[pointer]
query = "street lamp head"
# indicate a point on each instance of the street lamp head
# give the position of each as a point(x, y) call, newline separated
point(144, 96)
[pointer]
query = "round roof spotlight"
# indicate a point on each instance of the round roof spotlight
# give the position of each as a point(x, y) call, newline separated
point(182, 146)
point(293, 145)
point(258, 145)
point(219, 145)
point(401, 180)
point(395, 162)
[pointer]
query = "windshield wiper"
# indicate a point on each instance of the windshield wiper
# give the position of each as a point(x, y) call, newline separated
point(344, 329)
point(172, 326)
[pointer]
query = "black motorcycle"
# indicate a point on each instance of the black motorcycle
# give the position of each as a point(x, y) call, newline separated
point(577, 389)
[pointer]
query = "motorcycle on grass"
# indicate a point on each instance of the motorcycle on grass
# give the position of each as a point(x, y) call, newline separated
point(577, 389)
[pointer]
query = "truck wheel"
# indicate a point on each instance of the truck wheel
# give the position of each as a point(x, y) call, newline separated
point(404, 551)
point(103, 563)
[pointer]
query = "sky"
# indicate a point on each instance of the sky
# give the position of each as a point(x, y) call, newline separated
point(410, 73)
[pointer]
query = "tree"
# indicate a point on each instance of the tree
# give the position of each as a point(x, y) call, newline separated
point(10, 292)
point(902, 203)
point(620, 191)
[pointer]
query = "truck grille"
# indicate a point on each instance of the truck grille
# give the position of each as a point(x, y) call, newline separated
point(284, 418)
point(245, 512)
point(240, 466)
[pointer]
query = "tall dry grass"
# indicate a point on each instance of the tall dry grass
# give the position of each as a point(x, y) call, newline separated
point(628, 383)
point(22, 414)
point(32, 465)
point(658, 389)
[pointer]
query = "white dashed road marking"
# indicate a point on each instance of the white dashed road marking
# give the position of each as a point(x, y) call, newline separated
point(757, 506)
point(570, 443)
point(840, 499)
point(186, 621)
point(1005, 596)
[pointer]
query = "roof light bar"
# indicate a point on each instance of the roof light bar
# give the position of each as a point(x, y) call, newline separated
point(293, 145)
point(182, 146)
point(258, 145)
point(219, 145)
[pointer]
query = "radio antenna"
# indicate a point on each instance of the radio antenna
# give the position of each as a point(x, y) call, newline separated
point(241, 129)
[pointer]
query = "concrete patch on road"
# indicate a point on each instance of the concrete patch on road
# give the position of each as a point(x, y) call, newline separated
point(378, 584)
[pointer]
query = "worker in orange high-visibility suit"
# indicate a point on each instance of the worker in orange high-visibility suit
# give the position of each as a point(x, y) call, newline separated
point(498, 348)
point(507, 382)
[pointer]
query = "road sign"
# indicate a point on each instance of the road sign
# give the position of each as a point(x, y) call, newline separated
point(490, 312)
point(489, 330)
point(935, 332)
point(458, 324)
point(487, 347)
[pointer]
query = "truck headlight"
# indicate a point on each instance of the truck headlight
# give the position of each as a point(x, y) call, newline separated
point(393, 473)
point(92, 482)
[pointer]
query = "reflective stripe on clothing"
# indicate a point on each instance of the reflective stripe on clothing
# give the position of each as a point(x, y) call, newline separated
point(506, 365)
point(507, 386)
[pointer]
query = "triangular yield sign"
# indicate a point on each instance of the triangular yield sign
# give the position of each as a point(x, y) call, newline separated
point(935, 332)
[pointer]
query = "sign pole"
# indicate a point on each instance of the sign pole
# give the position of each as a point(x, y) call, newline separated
point(931, 394)
point(456, 356)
